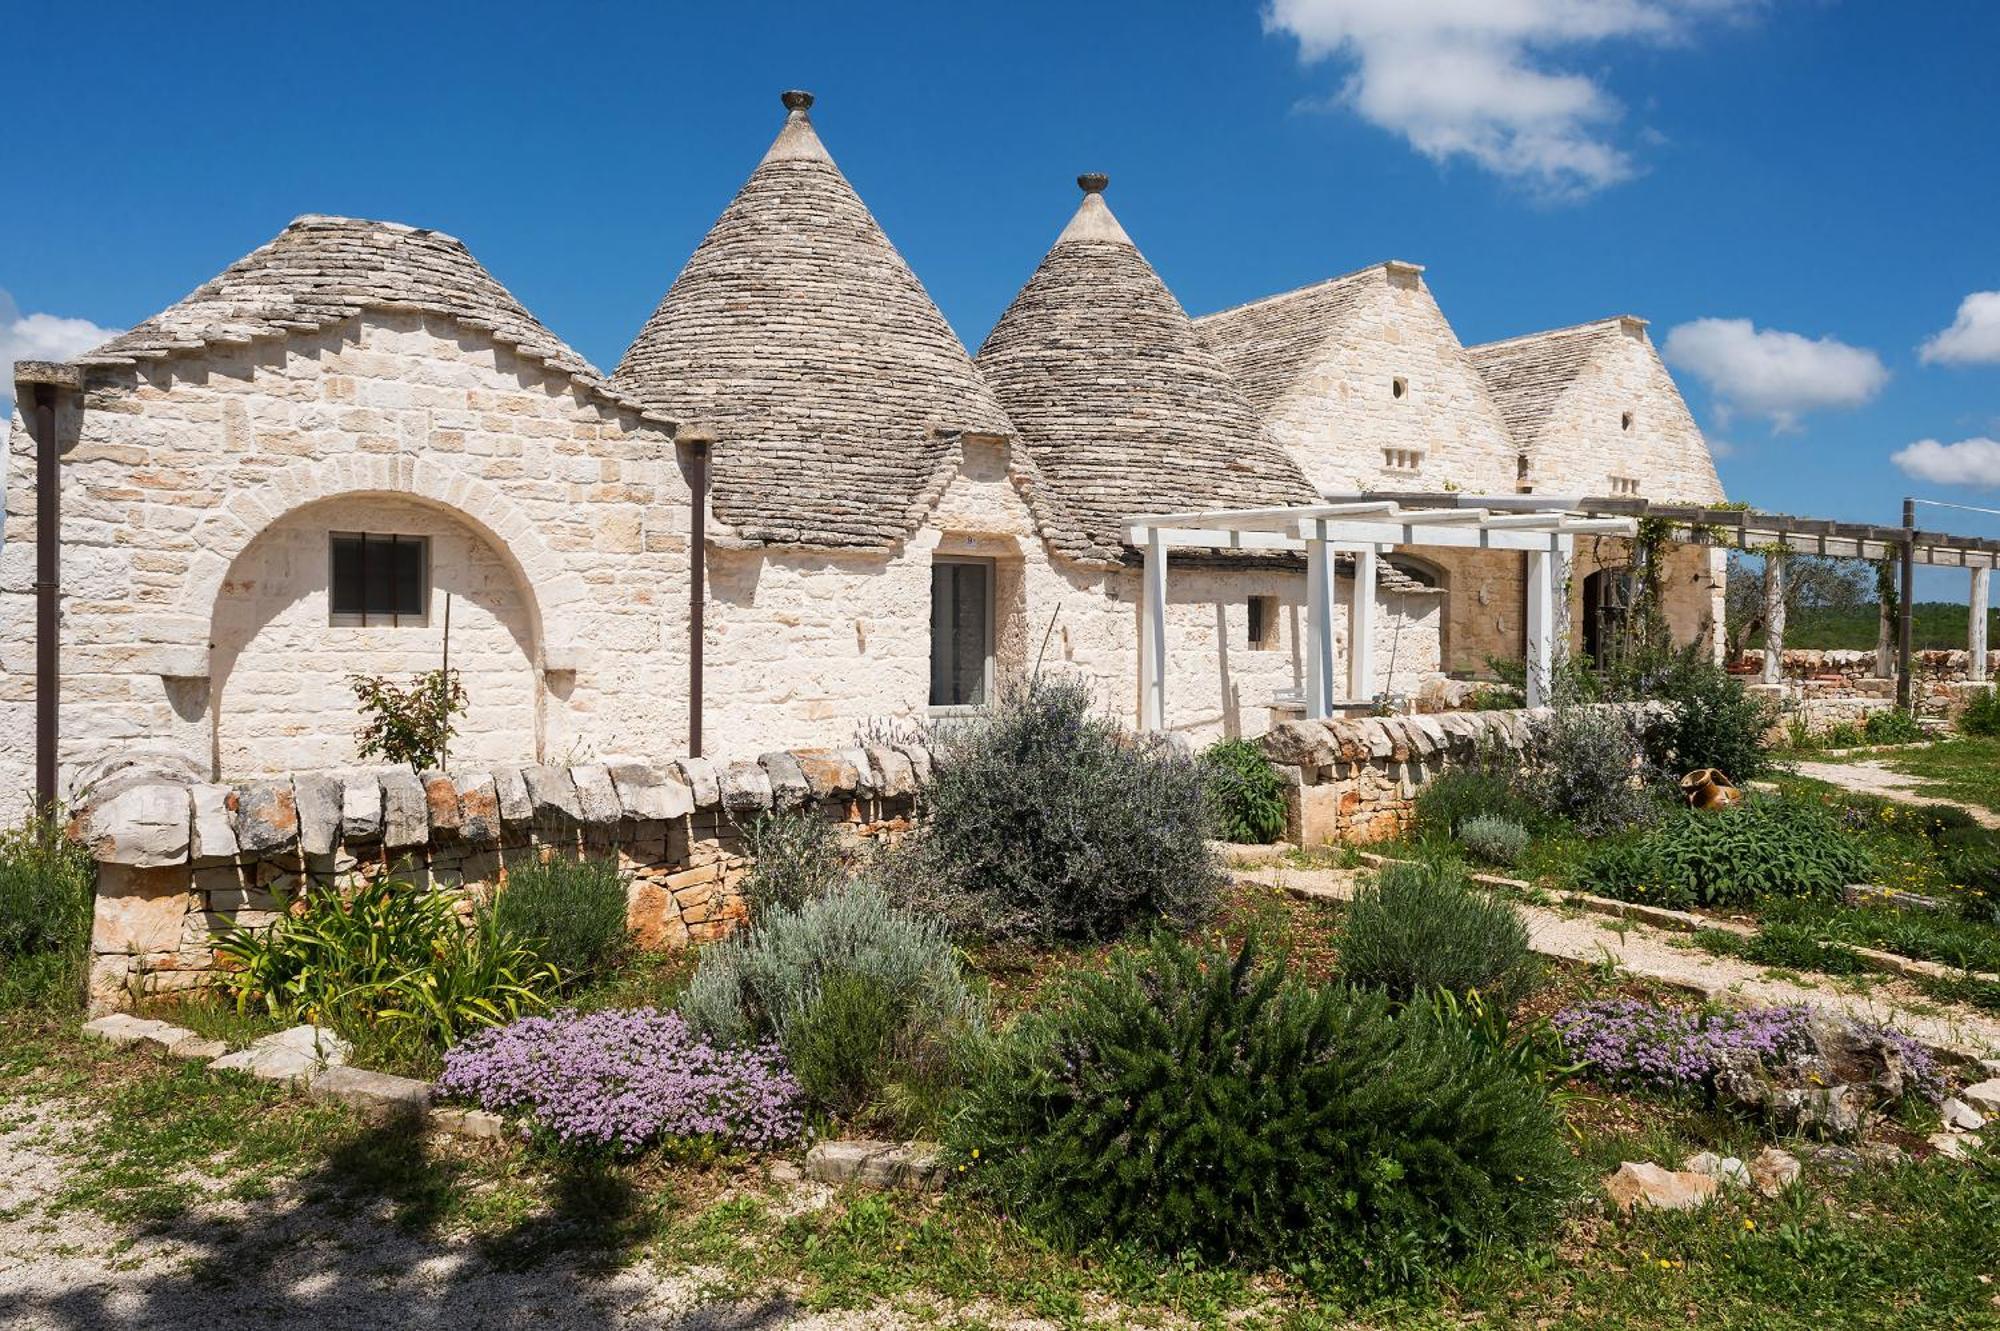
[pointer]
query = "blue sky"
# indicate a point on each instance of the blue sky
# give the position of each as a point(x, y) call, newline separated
point(1798, 195)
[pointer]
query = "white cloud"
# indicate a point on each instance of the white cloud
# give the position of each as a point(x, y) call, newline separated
point(1974, 336)
point(1774, 374)
point(1480, 78)
point(1967, 462)
point(40, 337)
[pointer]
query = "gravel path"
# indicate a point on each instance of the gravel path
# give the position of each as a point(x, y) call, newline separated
point(1652, 954)
point(1875, 778)
point(290, 1262)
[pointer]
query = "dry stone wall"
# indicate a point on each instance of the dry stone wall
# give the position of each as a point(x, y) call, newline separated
point(181, 860)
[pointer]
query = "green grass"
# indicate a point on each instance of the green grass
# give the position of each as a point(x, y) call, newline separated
point(1966, 769)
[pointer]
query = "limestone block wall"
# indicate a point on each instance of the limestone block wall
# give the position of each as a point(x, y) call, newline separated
point(1587, 446)
point(1344, 412)
point(193, 491)
point(180, 861)
point(1356, 780)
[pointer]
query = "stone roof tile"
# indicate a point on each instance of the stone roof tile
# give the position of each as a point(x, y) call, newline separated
point(1528, 375)
point(1266, 344)
point(836, 388)
point(1122, 409)
point(322, 270)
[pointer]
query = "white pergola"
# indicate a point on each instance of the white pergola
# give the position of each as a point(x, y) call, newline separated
point(1366, 530)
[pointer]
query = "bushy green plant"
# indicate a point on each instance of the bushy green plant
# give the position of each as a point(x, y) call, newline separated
point(1591, 771)
point(1423, 926)
point(1249, 794)
point(411, 725)
point(795, 856)
point(390, 958)
point(867, 1000)
point(1982, 715)
point(1730, 857)
point(1891, 725)
point(571, 912)
point(1498, 841)
point(1044, 820)
point(1449, 800)
point(1197, 1104)
point(47, 887)
point(1711, 719)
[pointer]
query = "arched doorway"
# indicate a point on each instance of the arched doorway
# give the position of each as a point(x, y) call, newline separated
point(359, 585)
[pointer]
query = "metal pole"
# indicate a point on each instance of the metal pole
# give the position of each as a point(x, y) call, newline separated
point(1154, 711)
point(698, 442)
point(1903, 619)
point(48, 586)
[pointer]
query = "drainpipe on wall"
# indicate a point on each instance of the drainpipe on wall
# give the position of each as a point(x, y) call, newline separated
point(46, 379)
point(698, 439)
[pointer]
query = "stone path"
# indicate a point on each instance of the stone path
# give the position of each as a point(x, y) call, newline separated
point(1875, 778)
point(1653, 954)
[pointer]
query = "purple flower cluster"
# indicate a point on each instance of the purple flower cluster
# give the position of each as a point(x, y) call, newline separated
point(625, 1078)
point(1921, 1073)
point(1637, 1043)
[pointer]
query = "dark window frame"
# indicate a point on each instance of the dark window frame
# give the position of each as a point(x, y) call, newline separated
point(989, 663)
point(396, 594)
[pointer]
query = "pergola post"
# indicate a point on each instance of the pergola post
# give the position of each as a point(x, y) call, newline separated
point(1774, 617)
point(1319, 626)
point(1361, 628)
point(1153, 710)
point(1540, 644)
point(1975, 638)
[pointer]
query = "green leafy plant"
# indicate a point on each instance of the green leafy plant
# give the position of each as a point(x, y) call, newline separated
point(1731, 857)
point(1982, 714)
point(1891, 725)
point(47, 893)
point(1449, 800)
point(571, 912)
point(1423, 926)
point(1497, 841)
point(1044, 820)
point(1202, 1105)
point(795, 856)
point(1711, 719)
point(389, 958)
point(1248, 792)
point(411, 725)
point(868, 1001)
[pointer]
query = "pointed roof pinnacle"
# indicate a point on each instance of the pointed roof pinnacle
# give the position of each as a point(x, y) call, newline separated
point(1093, 219)
point(797, 142)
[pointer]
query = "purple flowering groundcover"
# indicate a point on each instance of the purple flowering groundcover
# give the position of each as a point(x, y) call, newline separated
point(624, 1079)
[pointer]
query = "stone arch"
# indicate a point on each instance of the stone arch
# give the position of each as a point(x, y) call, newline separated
point(553, 591)
point(1433, 574)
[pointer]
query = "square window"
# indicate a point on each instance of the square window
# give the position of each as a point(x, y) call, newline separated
point(961, 632)
point(1264, 623)
point(378, 579)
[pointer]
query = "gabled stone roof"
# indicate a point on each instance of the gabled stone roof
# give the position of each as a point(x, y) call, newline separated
point(321, 271)
point(1266, 344)
point(836, 388)
point(1528, 375)
point(1121, 407)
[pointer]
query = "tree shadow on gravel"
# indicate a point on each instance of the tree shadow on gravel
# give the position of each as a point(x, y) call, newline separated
point(363, 1242)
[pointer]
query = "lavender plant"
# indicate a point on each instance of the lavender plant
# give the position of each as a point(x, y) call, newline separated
point(624, 1079)
point(1630, 1042)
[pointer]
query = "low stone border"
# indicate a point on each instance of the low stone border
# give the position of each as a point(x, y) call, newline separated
point(912, 1166)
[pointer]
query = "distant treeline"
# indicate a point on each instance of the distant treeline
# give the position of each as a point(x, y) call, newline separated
point(1934, 625)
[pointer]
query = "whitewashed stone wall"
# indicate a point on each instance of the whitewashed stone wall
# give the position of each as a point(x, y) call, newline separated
point(1585, 448)
point(178, 469)
point(1344, 412)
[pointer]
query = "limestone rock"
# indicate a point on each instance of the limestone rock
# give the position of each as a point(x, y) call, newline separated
point(699, 774)
point(874, 1164)
point(553, 793)
point(1960, 1116)
point(198, 1049)
point(1722, 1168)
point(214, 832)
point(1954, 1145)
point(1773, 1170)
point(1983, 1096)
point(441, 802)
point(864, 774)
point(647, 794)
point(746, 788)
point(292, 1056)
point(360, 808)
point(317, 797)
point(893, 772)
point(478, 807)
point(596, 797)
point(145, 826)
point(406, 818)
point(789, 787)
point(462, 1122)
point(140, 911)
point(517, 807)
point(267, 817)
point(919, 754)
point(122, 1028)
point(1650, 1186)
point(377, 1095)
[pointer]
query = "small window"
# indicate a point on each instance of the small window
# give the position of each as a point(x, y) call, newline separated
point(1625, 421)
point(1625, 486)
point(1264, 623)
point(961, 632)
point(1403, 459)
point(379, 579)
point(1399, 388)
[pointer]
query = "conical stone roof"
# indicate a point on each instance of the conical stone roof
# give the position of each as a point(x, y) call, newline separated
point(797, 331)
point(1122, 407)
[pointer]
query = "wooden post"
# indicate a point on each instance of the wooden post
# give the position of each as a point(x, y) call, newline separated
point(1361, 629)
point(1154, 653)
point(1774, 617)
